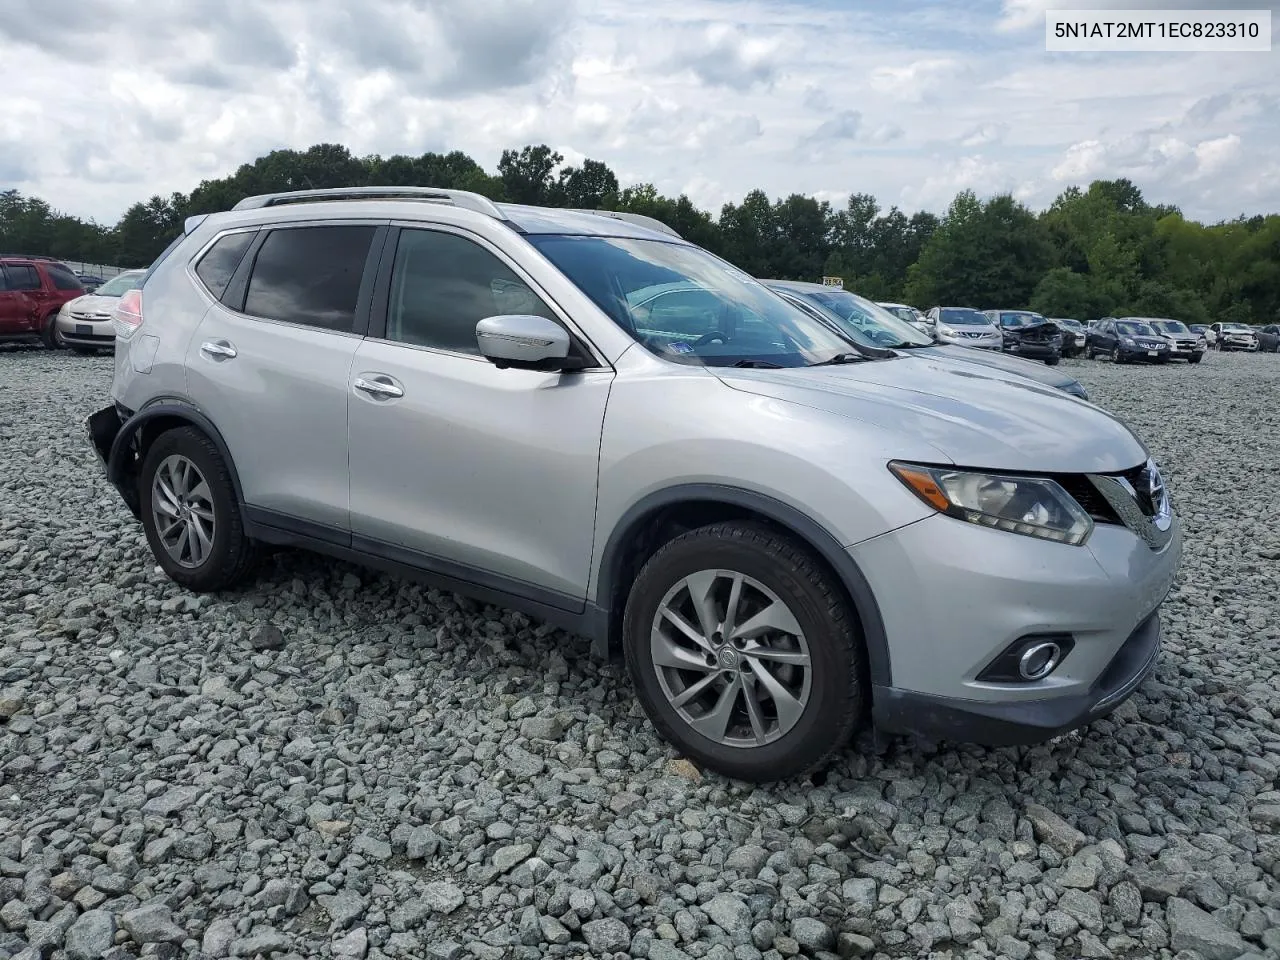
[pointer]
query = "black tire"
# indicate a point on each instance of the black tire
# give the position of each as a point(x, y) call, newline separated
point(1117, 356)
point(1195, 358)
point(838, 690)
point(49, 333)
point(83, 351)
point(232, 554)
point(1051, 361)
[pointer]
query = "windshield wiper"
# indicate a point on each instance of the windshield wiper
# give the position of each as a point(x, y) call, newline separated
point(759, 364)
point(840, 358)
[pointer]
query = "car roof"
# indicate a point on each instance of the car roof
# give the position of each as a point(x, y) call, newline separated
point(801, 286)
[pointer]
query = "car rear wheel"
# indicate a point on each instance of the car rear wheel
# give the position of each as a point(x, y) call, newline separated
point(744, 652)
point(190, 514)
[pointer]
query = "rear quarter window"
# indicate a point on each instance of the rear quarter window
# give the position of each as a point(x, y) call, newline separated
point(219, 263)
point(63, 279)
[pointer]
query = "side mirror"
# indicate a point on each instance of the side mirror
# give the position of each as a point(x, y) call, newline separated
point(526, 342)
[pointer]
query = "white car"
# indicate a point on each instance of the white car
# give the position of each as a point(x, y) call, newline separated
point(965, 327)
point(908, 313)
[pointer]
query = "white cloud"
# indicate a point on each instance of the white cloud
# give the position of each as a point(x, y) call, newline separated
point(914, 81)
point(1213, 155)
point(1082, 162)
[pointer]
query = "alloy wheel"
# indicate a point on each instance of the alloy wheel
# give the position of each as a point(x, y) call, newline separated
point(731, 658)
point(182, 507)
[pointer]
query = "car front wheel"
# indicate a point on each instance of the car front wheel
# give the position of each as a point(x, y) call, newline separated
point(744, 652)
point(190, 514)
point(1117, 356)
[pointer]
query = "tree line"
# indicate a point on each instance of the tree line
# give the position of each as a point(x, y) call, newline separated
point(1102, 250)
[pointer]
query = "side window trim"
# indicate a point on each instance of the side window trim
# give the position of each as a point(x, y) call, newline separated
point(381, 295)
point(238, 289)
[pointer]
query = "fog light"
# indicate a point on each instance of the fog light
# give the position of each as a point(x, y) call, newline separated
point(1028, 659)
point(1039, 661)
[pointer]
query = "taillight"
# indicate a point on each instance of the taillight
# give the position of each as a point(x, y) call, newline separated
point(127, 317)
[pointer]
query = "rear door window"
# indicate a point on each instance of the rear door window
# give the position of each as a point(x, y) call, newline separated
point(310, 276)
point(21, 277)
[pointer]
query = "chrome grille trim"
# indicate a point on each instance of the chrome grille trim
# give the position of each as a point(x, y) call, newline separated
point(1155, 528)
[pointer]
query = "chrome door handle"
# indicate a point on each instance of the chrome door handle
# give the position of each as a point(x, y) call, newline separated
point(380, 387)
point(218, 349)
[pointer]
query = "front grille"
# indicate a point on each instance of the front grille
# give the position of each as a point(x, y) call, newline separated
point(1091, 501)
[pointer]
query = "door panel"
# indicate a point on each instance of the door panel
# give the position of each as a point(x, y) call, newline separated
point(280, 401)
point(18, 285)
point(273, 376)
point(493, 469)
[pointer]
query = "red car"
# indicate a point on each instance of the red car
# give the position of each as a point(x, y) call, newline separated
point(32, 291)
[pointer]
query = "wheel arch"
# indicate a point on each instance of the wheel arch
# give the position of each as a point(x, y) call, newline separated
point(140, 430)
point(656, 518)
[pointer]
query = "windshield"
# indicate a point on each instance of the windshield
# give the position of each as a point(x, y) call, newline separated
point(1017, 318)
point(688, 306)
point(1170, 326)
point(119, 285)
point(962, 317)
point(865, 321)
point(1068, 323)
point(1135, 328)
point(1235, 326)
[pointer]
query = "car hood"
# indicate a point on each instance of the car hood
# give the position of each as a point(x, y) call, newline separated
point(976, 417)
point(92, 303)
point(1049, 376)
point(1032, 331)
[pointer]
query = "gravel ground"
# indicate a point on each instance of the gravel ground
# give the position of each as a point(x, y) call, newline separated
point(340, 764)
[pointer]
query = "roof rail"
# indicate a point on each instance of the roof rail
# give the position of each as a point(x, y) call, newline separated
point(459, 198)
point(29, 256)
point(639, 219)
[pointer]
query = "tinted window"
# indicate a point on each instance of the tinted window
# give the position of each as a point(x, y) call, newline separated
point(20, 277)
point(63, 279)
point(218, 265)
point(443, 285)
point(310, 276)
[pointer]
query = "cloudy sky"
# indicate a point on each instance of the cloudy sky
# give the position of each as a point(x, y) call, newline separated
point(111, 101)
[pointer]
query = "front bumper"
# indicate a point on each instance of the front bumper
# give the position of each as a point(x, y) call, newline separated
point(1037, 351)
point(948, 615)
point(1184, 352)
point(85, 333)
point(1022, 722)
point(1233, 344)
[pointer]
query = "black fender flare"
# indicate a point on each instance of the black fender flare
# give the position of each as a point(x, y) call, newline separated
point(798, 523)
point(122, 455)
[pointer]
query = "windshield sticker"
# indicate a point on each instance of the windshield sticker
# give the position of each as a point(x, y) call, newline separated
point(680, 347)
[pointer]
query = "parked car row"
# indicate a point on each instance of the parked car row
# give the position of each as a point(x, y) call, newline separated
point(770, 499)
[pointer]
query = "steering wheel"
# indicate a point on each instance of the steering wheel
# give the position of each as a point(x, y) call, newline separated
point(706, 338)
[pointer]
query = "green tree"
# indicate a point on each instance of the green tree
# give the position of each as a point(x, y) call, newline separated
point(527, 175)
point(593, 186)
point(1064, 293)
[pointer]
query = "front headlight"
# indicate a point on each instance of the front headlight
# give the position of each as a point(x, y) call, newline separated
point(1031, 506)
point(1127, 341)
point(946, 331)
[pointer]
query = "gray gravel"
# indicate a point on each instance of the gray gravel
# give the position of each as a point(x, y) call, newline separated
point(335, 763)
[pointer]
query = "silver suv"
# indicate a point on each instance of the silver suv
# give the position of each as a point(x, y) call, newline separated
point(580, 415)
